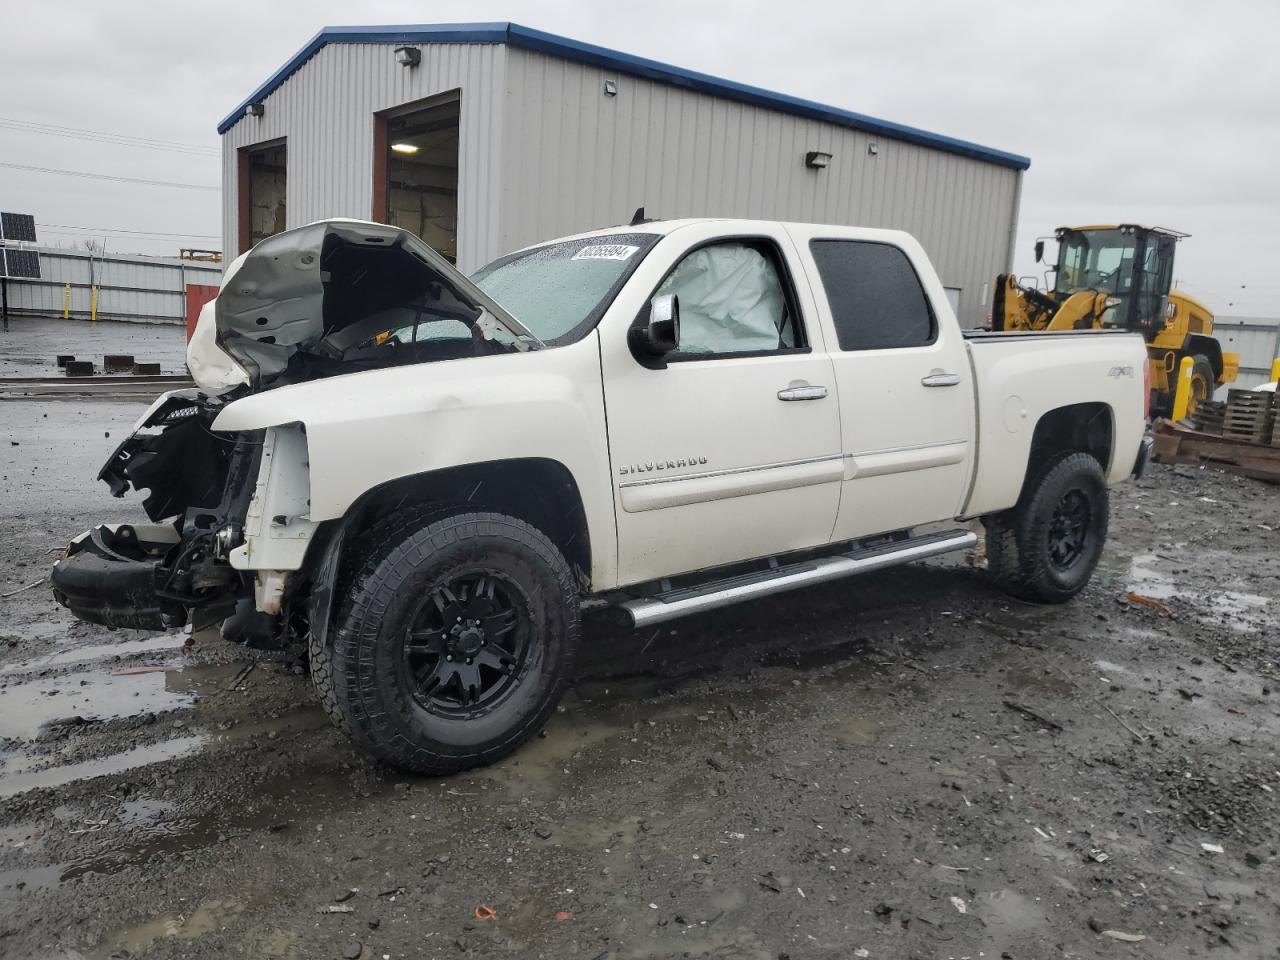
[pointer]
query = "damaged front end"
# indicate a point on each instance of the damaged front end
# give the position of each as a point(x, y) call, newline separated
point(231, 508)
point(152, 576)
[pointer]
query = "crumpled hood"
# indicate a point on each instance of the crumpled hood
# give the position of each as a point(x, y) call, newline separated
point(318, 289)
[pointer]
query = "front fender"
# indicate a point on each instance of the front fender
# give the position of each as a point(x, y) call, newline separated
point(366, 429)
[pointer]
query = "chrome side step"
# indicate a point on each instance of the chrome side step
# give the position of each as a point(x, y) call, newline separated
point(645, 611)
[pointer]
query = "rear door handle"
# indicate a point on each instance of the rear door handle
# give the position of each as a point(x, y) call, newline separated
point(941, 380)
point(802, 391)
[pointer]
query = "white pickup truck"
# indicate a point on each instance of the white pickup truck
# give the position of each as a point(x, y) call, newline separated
point(423, 476)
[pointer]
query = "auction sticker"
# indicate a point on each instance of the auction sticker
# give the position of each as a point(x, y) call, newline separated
point(606, 251)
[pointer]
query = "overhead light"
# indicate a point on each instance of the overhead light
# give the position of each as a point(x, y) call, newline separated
point(872, 149)
point(253, 110)
point(408, 56)
point(404, 148)
point(817, 159)
point(611, 88)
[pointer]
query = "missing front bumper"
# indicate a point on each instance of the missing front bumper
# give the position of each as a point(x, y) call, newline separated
point(111, 575)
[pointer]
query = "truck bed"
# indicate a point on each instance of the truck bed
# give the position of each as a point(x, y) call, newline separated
point(1020, 377)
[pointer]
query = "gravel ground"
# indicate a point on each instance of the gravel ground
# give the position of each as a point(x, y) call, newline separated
point(905, 765)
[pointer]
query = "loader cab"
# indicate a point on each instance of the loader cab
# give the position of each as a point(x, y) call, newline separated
point(1132, 265)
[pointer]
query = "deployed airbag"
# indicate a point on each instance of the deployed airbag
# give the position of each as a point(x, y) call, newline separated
point(730, 300)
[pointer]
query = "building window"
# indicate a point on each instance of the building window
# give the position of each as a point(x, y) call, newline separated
point(416, 173)
point(262, 176)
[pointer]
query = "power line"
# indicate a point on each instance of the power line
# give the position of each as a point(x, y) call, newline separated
point(68, 227)
point(103, 136)
point(107, 176)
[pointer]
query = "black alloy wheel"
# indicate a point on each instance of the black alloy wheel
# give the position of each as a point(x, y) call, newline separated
point(468, 641)
point(1069, 529)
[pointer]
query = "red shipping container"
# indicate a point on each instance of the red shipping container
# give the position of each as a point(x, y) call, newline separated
point(198, 294)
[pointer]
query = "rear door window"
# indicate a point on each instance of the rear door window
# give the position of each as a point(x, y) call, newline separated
point(876, 299)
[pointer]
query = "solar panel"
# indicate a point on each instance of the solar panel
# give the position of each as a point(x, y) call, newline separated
point(18, 226)
point(23, 264)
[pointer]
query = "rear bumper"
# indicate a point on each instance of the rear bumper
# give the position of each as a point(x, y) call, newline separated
point(1144, 456)
point(110, 576)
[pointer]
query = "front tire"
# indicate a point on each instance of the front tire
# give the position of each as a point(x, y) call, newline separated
point(1203, 383)
point(1046, 548)
point(454, 642)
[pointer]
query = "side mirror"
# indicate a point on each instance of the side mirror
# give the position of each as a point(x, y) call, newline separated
point(1039, 250)
point(659, 333)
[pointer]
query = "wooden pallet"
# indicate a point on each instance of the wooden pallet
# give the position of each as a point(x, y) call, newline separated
point(1177, 444)
point(1250, 416)
point(1209, 416)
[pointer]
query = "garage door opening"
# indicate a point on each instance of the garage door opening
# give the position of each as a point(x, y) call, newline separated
point(262, 178)
point(416, 173)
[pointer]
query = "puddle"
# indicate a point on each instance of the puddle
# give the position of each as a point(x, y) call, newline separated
point(100, 651)
point(857, 733)
point(1107, 667)
point(1144, 579)
point(27, 707)
point(209, 917)
point(13, 783)
point(144, 810)
point(536, 768)
point(18, 775)
point(20, 879)
point(1238, 610)
point(1009, 912)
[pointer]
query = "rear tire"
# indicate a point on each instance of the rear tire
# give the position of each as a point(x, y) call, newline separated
point(1046, 548)
point(454, 641)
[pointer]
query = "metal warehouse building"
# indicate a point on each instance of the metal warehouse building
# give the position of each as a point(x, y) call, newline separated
point(483, 138)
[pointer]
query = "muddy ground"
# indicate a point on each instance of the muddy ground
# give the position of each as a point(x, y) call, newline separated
point(906, 765)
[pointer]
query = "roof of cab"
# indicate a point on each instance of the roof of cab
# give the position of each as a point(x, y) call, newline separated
point(515, 35)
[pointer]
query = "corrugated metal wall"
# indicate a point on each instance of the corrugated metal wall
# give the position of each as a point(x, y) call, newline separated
point(325, 112)
point(141, 289)
point(543, 153)
point(1257, 340)
point(581, 160)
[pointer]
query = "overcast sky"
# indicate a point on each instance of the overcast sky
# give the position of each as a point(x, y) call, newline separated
point(1154, 111)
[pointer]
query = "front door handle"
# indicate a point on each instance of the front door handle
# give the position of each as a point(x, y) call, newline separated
point(941, 380)
point(802, 391)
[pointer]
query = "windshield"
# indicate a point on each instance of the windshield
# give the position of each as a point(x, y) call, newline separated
point(560, 290)
point(1100, 260)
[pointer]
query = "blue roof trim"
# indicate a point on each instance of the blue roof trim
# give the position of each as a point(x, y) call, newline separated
point(383, 33)
point(529, 39)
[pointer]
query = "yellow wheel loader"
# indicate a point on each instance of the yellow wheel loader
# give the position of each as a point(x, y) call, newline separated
point(1121, 277)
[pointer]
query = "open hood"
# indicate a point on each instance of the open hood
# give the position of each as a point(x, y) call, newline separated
point(337, 296)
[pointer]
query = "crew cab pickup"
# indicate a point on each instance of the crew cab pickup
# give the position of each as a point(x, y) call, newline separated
point(423, 476)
